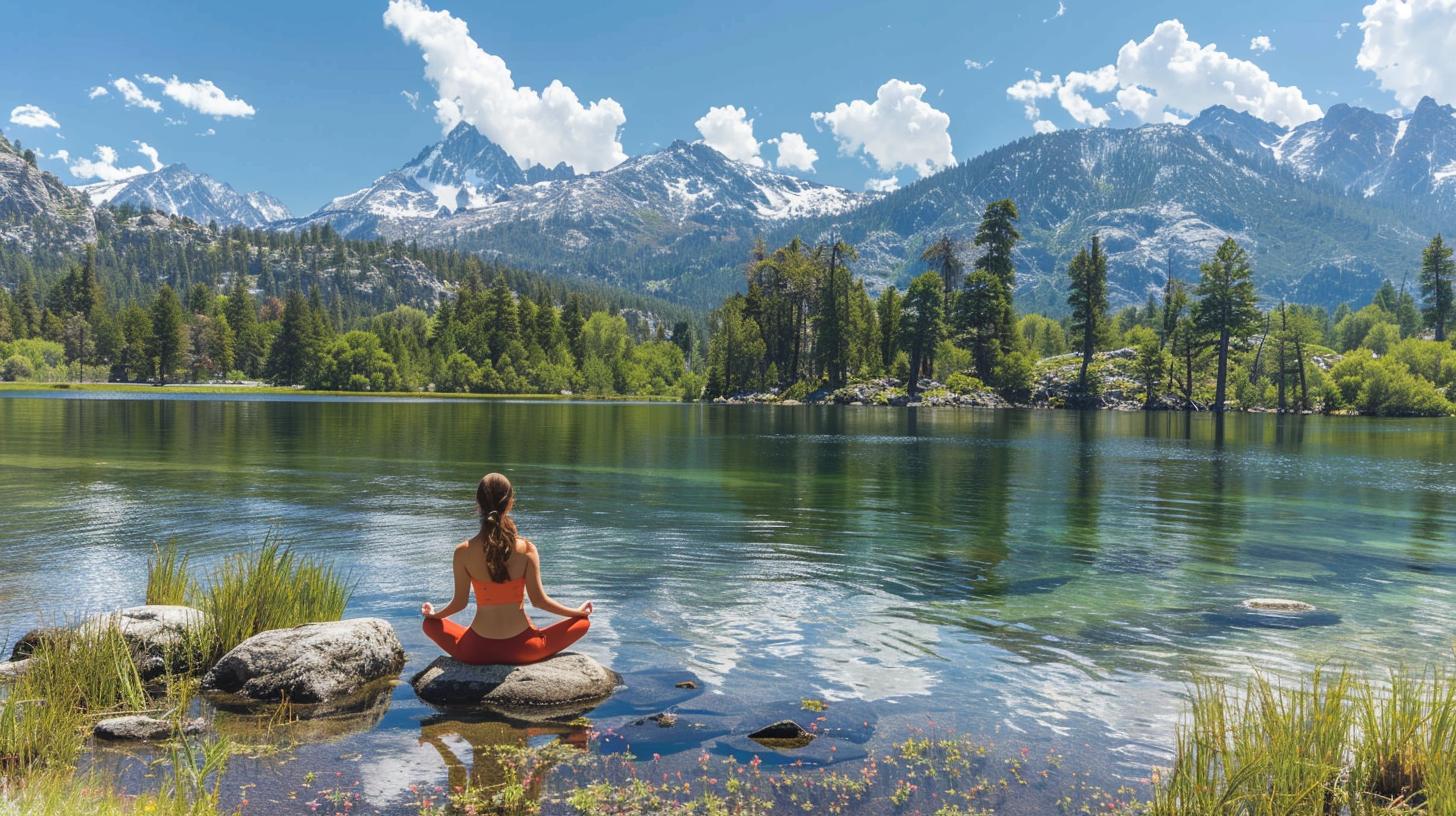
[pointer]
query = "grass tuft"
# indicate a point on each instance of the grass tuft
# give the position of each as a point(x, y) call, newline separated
point(167, 578)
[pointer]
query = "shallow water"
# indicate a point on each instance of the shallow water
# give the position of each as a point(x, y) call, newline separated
point(1052, 578)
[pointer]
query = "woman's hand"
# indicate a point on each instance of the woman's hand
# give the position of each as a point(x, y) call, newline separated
point(585, 610)
point(427, 609)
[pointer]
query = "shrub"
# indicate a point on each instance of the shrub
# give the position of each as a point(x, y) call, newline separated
point(1384, 387)
point(17, 368)
point(963, 383)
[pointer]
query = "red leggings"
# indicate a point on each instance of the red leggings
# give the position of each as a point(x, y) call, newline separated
point(530, 646)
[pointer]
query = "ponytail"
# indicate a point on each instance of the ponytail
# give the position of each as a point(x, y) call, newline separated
point(493, 496)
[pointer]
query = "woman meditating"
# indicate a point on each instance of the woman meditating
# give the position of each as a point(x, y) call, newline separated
point(504, 568)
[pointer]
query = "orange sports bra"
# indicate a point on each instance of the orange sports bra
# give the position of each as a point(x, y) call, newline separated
point(488, 593)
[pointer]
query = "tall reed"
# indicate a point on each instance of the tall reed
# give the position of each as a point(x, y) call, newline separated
point(167, 578)
point(271, 587)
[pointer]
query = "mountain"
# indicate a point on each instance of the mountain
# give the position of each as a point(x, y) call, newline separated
point(177, 190)
point(463, 171)
point(1405, 161)
point(37, 211)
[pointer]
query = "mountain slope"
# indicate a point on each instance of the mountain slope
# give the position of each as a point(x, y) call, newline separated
point(37, 211)
point(177, 190)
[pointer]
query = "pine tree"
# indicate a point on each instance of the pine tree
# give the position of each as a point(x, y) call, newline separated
point(922, 325)
point(1226, 308)
point(943, 257)
point(296, 348)
point(1088, 299)
point(997, 237)
point(167, 339)
point(977, 312)
point(887, 314)
point(1437, 272)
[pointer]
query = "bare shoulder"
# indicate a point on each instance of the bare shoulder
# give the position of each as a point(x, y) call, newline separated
point(526, 548)
point(462, 548)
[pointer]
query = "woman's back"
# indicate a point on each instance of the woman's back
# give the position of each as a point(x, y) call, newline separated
point(499, 605)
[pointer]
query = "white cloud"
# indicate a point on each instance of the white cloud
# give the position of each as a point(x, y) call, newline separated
point(1408, 45)
point(202, 96)
point(103, 167)
point(99, 90)
point(412, 97)
point(476, 87)
point(1043, 126)
point(208, 132)
point(1340, 32)
point(62, 154)
point(977, 65)
point(1261, 44)
point(795, 153)
point(133, 96)
point(1061, 12)
point(883, 185)
point(1189, 77)
point(898, 129)
point(728, 130)
point(1166, 75)
point(32, 116)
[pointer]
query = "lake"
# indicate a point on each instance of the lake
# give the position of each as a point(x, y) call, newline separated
point(1049, 579)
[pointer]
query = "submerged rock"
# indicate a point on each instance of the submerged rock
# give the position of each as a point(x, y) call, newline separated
point(566, 684)
point(312, 663)
point(140, 727)
point(1276, 605)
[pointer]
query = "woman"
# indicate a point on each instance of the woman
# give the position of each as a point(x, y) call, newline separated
point(504, 569)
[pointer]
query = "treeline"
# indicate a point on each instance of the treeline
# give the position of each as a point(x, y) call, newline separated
point(805, 324)
point(488, 339)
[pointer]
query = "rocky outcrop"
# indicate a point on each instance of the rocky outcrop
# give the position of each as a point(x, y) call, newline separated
point(140, 727)
point(158, 635)
point(312, 663)
point(563, 685)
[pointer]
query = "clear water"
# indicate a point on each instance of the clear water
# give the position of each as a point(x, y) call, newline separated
point(1054, 576)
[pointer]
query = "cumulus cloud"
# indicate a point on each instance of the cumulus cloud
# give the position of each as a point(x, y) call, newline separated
point(883, 185)
point(1164, 76)
point(103, 167)
point(99, 90)
point(1261, 44)
point(474, 86)
point(899, 129)
point(794, 152)
point(728, 130)
point(977, 65)
point(62, 154)
point(202, 96)
point(1043, 126)
point(1407, 46)
point(132, 95)
point(32, 116)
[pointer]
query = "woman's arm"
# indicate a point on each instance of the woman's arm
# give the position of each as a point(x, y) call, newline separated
point(539, 598)
point(462, 589)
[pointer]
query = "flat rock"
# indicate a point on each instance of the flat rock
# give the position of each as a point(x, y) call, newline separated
point(564, 684)
point(312, 663)
point(12, 669)
point(1276, 605)
point(141, 727)
point(157, 634)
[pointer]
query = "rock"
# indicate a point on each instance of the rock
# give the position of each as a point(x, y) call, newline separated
point(28, 641)
point(567, 683)
point(312, 663)
point(13, 669)
point(157, 634)
point(1276, 605)
point(139, 727)
point(783, 730)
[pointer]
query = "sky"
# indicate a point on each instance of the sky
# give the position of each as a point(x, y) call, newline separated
point(308, 101)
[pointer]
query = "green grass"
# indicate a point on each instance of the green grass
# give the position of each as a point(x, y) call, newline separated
point(1330, 744)
point(271, 587)
point(167, 578)
point(192, 388)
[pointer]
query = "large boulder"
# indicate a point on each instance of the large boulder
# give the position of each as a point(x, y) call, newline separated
point(157, 634)
point(312, 663)
point(11, 670)
point(566, 684)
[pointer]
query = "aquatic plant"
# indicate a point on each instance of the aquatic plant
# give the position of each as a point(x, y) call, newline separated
point(271, 587)
point(1329, 744)
point(167, 578)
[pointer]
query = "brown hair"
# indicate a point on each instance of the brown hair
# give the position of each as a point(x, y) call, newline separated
point(494, 496)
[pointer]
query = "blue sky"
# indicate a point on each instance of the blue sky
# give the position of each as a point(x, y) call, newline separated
point(325, 81)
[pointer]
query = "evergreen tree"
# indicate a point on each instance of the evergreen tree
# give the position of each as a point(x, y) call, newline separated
point(249, 340)
point(167, 337)
point(943, 257)
point(1437, 272)
point(921, 326)
point(1088, 299)
point(832, 318)
point(297, 346)
point(997, 237)
point(1226, 309)
point(976, 320)
point(887, 314)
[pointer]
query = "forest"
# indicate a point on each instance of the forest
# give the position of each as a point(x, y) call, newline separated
point(313, 310)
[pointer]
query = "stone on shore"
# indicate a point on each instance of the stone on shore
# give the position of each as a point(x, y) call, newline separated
point(568, 683)
point(312, 663)
point(156, 633)
point(26, 645)
point(11, 670)
point(141, 727)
